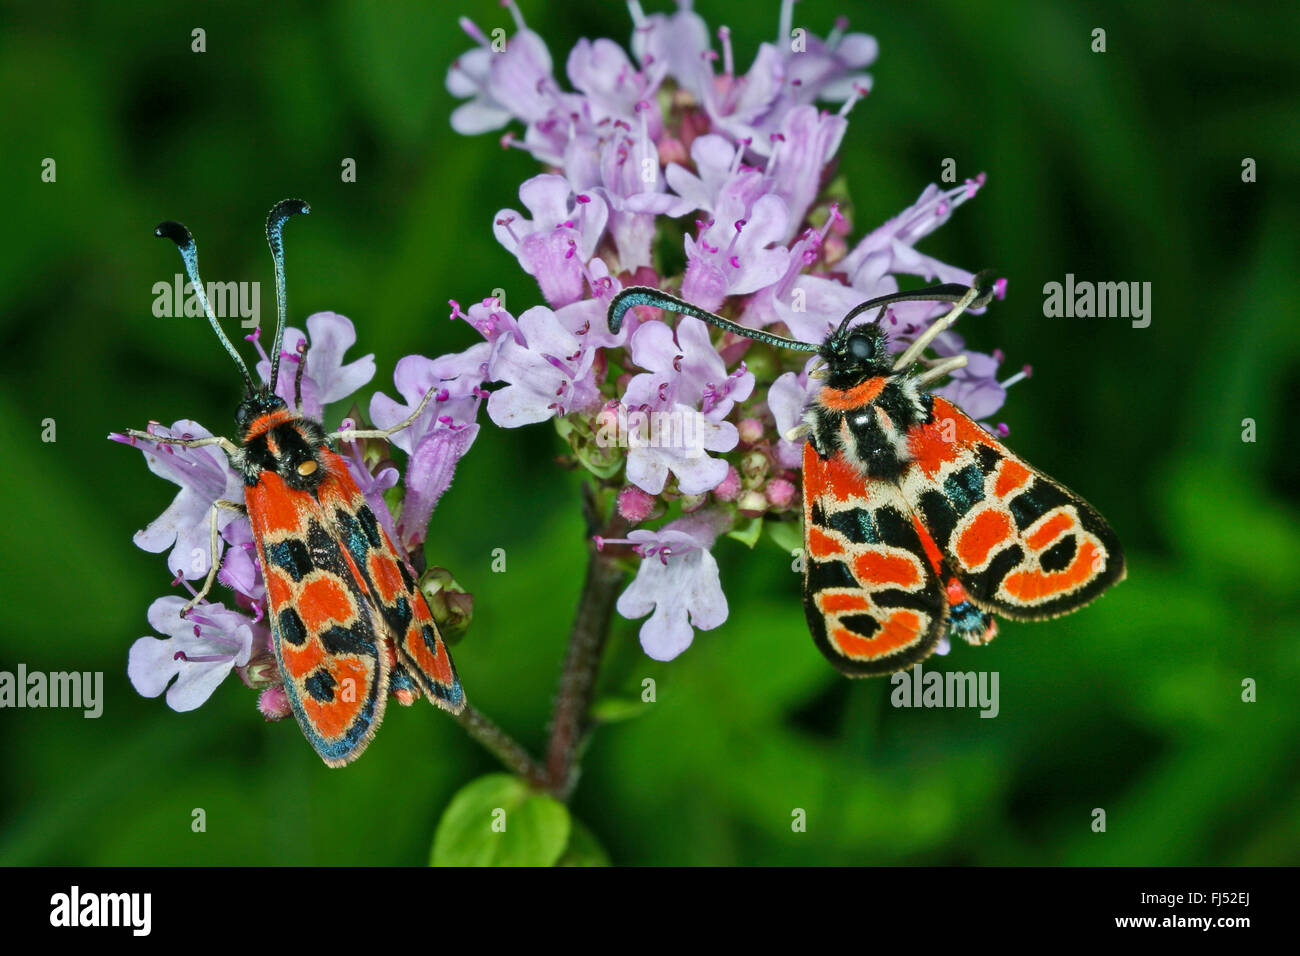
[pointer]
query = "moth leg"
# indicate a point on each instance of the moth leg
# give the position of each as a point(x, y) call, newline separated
point(225, 444)
point(975, 298)
point(352, 434)
point(214, 559)
point(940, 369)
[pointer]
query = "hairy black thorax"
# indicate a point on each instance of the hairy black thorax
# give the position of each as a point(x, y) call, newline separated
point(276, 440)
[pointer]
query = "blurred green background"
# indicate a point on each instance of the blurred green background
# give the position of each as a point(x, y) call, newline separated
point(1122, 166)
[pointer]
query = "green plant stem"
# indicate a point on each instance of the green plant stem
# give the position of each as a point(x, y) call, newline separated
point(502, 746)
point(587, 641)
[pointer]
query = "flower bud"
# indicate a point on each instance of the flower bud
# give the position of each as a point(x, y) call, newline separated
point(671, 150)
point(780, 493)
point(751, 431)
point(634, 504)
point(754, 467)
point(273, 702)
point(451, 605)
point(261, 671)
point(693, 502)
point(752, 503)
point(729, 488)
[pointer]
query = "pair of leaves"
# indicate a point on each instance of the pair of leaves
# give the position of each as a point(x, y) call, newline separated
point(498, 820)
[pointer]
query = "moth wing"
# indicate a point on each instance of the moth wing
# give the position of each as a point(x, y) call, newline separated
point(406, 621)
point(873, 600)
point(325, 631)
point(1020, 543)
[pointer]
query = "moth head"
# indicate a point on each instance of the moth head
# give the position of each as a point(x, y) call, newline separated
point(855, 354)
point(255, 407)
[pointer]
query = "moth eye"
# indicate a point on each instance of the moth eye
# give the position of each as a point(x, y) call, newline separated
point(861, 347)
point(307, 467)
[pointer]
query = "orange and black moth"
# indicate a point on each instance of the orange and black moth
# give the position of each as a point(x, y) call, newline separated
point(349, 624)
point(917, 522)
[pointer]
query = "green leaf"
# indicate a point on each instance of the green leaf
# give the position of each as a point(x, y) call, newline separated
point(583, 849)
point(787, 535)
point(747, 534)
point(498, 820)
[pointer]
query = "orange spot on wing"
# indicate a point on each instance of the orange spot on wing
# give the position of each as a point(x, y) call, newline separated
point(337, 488)
point(332, 719)
point(840, 603)
point(1052, 529)
point(279, 589)
point(386, 576)
point(988, 530)
point(1011, 475)
point(275, 507)
point(434, 662)
point(926, 442)
point(301, 661)
point(834, 477)
point(872, 567)
point(324, 600)
point(1031, 587)
point(900, 630)
point(845, 400)
point(822, 545)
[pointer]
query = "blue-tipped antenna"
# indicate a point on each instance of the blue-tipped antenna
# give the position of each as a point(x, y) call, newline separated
point(644, 295)
point(275, 239)
point(189, 253)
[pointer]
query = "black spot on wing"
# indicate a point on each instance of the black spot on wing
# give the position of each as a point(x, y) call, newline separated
point(407, 581)
point(337, 639)
point(988, 457)
point(320, 685)
point(1059, 555)
point(938, 516)
point(371, 526)
point(291, 627)
point(984, 585)
point(894, 527)
point(398, 614)
point(352, 535)
point(928, 599)
point(1034, 502)
point(829, 574)
point(854, 523)
point(864, 625)
point(290, 555)
point(965, 487)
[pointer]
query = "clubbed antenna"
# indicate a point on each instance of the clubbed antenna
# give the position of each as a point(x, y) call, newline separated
point(189, 253)
point(275, 239)
point(644, 295)
point(966, 297)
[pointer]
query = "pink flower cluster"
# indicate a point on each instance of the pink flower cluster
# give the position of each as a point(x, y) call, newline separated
point(673, 143)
